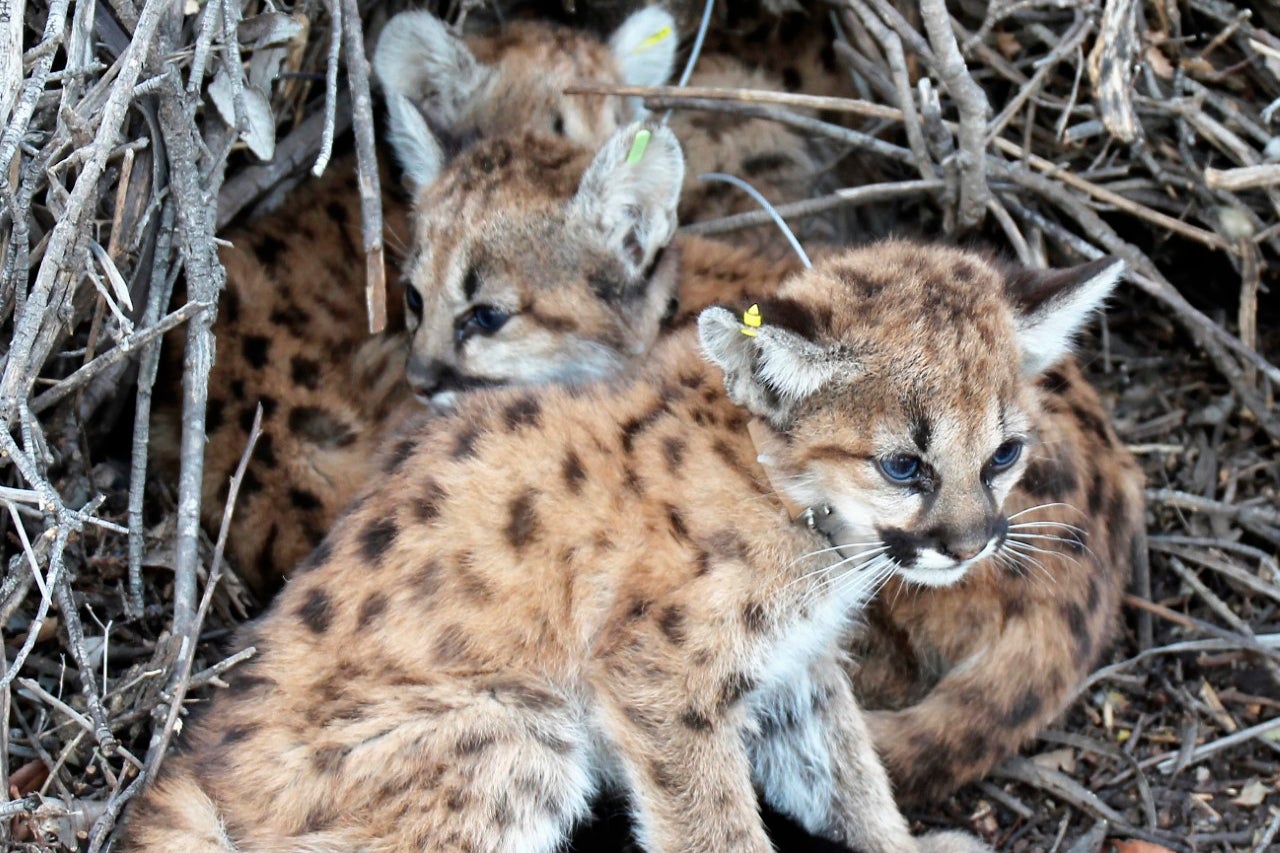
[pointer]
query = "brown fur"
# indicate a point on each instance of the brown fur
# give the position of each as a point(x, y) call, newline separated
point(1031, 634)
point(290, 330)
point(543, 593)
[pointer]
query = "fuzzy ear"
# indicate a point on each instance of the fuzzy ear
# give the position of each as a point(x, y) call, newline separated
point(770, 371)
point(415, 146)
point(419, 57)
point(629, 193)
point(1052, 305)
point(645, 47)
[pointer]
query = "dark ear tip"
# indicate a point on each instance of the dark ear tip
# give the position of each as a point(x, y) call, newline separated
point(1028, 289)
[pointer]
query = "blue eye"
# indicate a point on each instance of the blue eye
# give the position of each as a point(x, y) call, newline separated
point(901, 468)
point(488, 319)
point(1006, 454)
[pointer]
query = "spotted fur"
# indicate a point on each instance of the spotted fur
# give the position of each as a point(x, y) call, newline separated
point(536, 602)
point(290, 332)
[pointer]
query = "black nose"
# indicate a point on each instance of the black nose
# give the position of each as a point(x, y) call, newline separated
point(426, 377)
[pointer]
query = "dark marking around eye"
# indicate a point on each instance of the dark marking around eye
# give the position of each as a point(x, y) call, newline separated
point(921, 431)
point(470, 284)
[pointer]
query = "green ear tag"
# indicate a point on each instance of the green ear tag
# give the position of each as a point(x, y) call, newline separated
point(638, 145)
point(660, 36)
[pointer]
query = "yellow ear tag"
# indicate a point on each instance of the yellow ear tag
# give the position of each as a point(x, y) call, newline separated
point(751, 320)
point(638, 145)
point(658, 37)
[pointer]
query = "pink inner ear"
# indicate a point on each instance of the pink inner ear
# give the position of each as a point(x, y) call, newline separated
point(1029, 289)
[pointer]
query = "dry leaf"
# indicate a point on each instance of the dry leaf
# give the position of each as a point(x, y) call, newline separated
point(1131, 846)
point(1159, 63)
point(1252, 794)
point(1063, 759)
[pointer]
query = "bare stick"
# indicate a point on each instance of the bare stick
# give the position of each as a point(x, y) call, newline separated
point(1214, 747)
point(367, 162)
point(157, 298)
point(971, 101)
point(20, 369)
point(1111, 68)
point(811, 207)
point(125, 348)
point(180, 681)
point(24, 107)
point(330, 88)
point(204, 282)
point(1243, 178)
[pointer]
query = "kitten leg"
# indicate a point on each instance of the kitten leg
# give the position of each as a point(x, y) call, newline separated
point(688, 777)
point(815, 761)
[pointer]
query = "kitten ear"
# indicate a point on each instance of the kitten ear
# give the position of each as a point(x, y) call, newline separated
point(645, 47)
point(1050, 307)
point(771, 370)
point(628, 194)
point(415, 145)
point(420, 58)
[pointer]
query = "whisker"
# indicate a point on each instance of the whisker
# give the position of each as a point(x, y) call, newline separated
point(1033, 562)
point(1044, 506)
point(1061, 524)
point(1028, 546)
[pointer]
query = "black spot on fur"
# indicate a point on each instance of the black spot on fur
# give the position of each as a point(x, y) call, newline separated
point(314, 424)
point(664, 776)
point(316, 611)
point(472, 743)
point(214, 416)
point(695, 720)
point(573, 472)
point(464, 446)
point(1049, 478)
point(729, 544)
point(676, 520)
point(673, 452)
point(1078, 623)
point(399, 455)
point(328, 759)
point(292, 318)
point(255, 349)
point(523, 412)
point(265, 450)
point(671, 623)
point(370, 609)
point(268, 249)
point(238, 734)
point(377, 538)
point(1024, 710)
point(522, 520)
point(305, 372)
point(632, 427)
point(762, 163)
point(303, 499)
point(734, 688)
point(427, 507)
point(753, 616)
